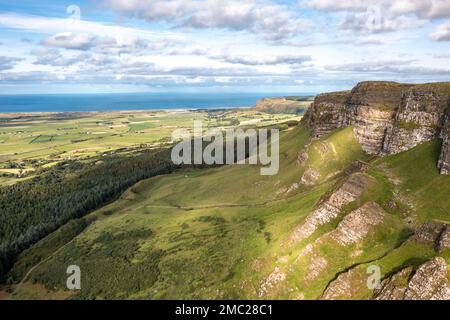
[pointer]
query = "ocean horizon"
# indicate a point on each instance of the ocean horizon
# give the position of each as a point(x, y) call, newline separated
point(17, 103)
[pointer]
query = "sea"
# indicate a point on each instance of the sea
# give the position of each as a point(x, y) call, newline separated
point(127, 101)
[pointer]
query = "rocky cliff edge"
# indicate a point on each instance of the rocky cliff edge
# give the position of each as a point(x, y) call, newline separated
point(387, 117)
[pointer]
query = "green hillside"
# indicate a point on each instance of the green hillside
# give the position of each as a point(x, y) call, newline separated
point(227, 232)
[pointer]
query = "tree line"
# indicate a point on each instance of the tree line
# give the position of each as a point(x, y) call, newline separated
point(32, 209)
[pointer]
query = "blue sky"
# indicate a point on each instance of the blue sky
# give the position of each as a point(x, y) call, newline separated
point(220, 45)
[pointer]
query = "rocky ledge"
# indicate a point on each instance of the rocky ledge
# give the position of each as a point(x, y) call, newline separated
point(357, 224)
point(387, 117)
point(428, 282)
point(330, 208)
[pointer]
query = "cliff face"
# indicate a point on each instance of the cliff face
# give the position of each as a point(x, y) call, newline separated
point(327, 113)
point(372, 107)
point(387, 117)
point(420, 117)
point(444, 159)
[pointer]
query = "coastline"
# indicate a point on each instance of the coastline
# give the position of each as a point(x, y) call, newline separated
point(179, 110)
point(57, 103)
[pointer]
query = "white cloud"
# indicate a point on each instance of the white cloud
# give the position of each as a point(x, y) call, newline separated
point(442, 32)
point(69, 40)
point(52, 57)
point(7, 63)
point(46, 25)
point(229, 50)
point(273, 22)
point(369, 66)
point(258, 60)
point(194, 79)
point(430, 9)
point(399, 67)
point(90, 35)
point(375, 16)
point(373, 21)
point(223, 79)
point(442, 56)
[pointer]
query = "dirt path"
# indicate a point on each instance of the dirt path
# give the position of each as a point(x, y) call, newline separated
point(228, 205)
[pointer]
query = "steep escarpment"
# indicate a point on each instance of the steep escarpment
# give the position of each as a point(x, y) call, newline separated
point(387, 117)
point(371, 108)
point(327, 113)
point(420, 117)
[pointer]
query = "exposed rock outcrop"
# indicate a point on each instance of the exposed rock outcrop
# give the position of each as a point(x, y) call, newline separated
point(371, 109)
point(394, 288)
point(357, 224)
point(317, 265)
point(370, 126)
point(330, 208)
point(444, 159)
point(359, 166)
point(444, 240)
point(430, 232)
point(387, 117)
point(420, 117)
point(310, 177)
point(345, 286)
point(271, 281)
point(348, 284)
point(434, 233)
point(428, 282)
point(327, 113)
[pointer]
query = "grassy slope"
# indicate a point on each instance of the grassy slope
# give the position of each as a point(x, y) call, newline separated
point(421, 181)
point(220, 233)
point(332, 154)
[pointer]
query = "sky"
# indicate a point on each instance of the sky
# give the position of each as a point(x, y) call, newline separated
point(286, 46)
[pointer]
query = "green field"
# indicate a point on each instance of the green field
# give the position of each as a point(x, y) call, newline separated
point(33, 142)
